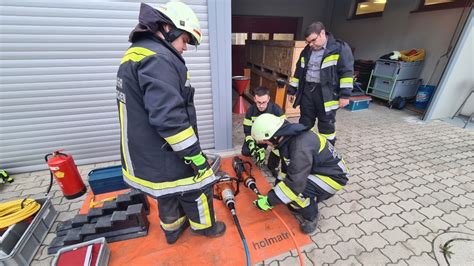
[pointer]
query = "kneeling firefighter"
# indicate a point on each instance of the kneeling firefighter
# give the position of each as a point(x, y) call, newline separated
point(312, 170)
point(161, 153)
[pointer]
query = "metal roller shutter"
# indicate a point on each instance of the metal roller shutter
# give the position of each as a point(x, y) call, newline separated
point(58, 66)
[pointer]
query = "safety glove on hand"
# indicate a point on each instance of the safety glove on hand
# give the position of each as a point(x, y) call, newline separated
point(251, 145)
point(199, 164)
point(262, 203)
point(259, 156)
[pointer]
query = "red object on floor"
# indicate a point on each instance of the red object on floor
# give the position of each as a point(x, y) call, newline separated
point(77, 257)
point(266, 236)
point(240, 83)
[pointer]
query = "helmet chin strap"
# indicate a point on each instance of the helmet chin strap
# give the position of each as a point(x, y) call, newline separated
point(171, 35)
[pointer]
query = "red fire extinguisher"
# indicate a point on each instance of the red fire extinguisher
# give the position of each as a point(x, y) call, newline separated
point(65, 171)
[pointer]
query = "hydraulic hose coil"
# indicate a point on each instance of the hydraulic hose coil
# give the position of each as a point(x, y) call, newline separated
point(15, 211)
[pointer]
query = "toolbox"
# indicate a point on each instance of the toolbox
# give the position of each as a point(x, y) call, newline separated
point(108, 179)
point(357, 103)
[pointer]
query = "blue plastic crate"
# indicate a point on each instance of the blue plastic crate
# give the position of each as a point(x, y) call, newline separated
point(358, 103)
point(108, 179)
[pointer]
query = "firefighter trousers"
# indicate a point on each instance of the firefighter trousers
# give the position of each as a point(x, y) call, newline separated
point(195, 207)
point(312, 107)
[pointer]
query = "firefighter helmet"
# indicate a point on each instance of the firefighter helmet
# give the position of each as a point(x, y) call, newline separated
point(184, 19)
point(265, 126)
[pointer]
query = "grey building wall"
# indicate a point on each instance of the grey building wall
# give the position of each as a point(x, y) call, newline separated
point(57, 85)
point(398, 29)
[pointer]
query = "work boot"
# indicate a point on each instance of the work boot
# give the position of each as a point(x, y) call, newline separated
point(172, 236)
point(217, 230)
point(308, 226)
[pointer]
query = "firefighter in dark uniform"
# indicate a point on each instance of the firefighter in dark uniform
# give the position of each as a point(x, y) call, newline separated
point(323, 80)
point(262, 105)
point(160, 149)
point(312, 170)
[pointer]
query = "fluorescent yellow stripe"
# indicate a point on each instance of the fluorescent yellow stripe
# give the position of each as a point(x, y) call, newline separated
point(183, 135)
point(322, 140)
point(346, 80)
point(247, 122)
point(173, 226)
point(330, 182)
point(204, 212)
point(122, 129)
point(295, 80)
point(276, 152)
point(291, 195)
point(248, 138)
point(283, 116)
point(136, 54)
point(333, 57)
point(166, 185)
point(329, 136)
point(331, 103)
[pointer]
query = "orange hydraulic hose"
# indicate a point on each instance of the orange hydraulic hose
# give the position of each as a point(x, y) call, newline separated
point(292, 237)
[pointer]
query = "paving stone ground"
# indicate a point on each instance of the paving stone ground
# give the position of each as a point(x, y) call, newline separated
point(411, 182)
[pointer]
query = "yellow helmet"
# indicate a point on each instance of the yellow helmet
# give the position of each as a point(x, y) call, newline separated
point(265, 126)
point(184, 19)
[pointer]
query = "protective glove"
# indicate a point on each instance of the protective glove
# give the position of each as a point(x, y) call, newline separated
point(259, 156)
point(251, 145)
point(262, 203)
point(199, 164)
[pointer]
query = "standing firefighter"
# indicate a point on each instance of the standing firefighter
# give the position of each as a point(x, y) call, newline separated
point(323, 79)
point(161, 154)
point(312, 170)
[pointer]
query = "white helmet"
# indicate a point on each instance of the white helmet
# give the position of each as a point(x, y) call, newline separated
point(184, 19)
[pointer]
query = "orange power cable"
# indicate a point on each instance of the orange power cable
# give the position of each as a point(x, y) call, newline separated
point(292, 237)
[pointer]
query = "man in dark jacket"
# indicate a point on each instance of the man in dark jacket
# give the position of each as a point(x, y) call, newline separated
point(262, 105)
point(322, 80)
point(312, 170)
point(160, 149)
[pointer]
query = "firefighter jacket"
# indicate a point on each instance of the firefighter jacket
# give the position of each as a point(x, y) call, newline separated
point(253, 113)
point(157, 118)
point(307, 157)
point(337, 71)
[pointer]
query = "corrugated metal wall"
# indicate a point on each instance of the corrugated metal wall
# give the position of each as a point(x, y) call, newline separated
point(58, 64)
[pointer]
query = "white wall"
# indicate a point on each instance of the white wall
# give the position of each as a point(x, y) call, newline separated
point(458, 79)
point(398, 29)
point(309, 10)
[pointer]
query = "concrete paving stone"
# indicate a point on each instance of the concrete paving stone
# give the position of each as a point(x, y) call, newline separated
point(402, 185)
point(371, 242)
point(396, 163)
point(64, 216)
point(349, 207)
point(431, 211)
point(416, 229)
point(351, 196)
point(334, 200)
point(370, 202)
point(349, 232)
point(462, 178)
point(455, 191)
point(380, 159)
point(411, 167)
point(424, 259)
point(372, 226)
point(422, 190)
point(405, 194)
point(427, 171)
point(353, 185)
point(467, 212)
point(453, 218)
point(277, 259)
point(327, 238)
point(418, 245)
point(369, 176)
point(441, 195)
point(290, 260)
point(397, 252)
point(385, 189)
point(470, 225)
point(329, 224)
point(348, 248)
point(370, 213)
point(414, 173)
point(321, 256)
point(446, 206)
point(390, 209)
point(394, 235)
point(426, 200)
point(468, 187)
point(418, 181)
point(383, 172)
point(76, 206)
point(401, 176)
point(409, 204)
point(431, 178)
point(435, 186)
point(352, 260)
point(388, 198)
point(436, 224)
point(373, 258)
point(369, 192)
point(32, 192)
point(368, 184)
point(354, 171)
point(348, 219)
point(46, 262)
point(367, 162)
point(461, 201)
point(62, 207)
point(387, 180)
point(398, 263)
point(368, 169)
point(393, 221)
